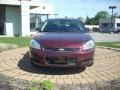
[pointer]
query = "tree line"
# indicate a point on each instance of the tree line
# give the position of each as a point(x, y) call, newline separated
point(95, 20)
point(100, 15)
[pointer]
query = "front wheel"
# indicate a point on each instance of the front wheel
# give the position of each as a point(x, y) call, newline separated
point(90, 63)
point(33, 64)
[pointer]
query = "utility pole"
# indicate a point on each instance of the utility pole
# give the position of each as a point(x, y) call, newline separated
point(112, 8)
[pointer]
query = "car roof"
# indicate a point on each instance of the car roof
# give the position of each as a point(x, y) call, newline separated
point(62, 19)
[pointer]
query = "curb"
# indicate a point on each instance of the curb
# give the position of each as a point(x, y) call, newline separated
point(115, 49)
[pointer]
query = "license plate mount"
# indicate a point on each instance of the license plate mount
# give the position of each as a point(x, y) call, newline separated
point(60, 60)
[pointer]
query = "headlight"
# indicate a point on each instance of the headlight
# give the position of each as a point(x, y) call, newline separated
point(34, 44)
point(89, 45)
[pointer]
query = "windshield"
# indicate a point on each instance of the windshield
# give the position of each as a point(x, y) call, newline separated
point(63, 25)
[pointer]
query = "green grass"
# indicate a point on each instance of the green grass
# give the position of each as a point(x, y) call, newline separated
point(109, 44)
point(45, 85)
point(20, 41)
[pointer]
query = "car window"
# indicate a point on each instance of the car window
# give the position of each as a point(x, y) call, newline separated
point(63, 26)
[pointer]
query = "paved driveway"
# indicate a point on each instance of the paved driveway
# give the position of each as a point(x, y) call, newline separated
point(16, 63)
point(105, 37)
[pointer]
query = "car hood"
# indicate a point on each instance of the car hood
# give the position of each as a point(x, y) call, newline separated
point(62, 39)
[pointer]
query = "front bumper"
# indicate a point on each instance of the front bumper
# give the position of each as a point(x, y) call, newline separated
point(73, 58)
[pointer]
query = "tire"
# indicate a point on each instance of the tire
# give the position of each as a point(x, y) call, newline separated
point(33, 64)
point(90, 64)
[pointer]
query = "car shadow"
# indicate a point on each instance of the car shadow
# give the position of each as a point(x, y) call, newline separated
point(26, 65)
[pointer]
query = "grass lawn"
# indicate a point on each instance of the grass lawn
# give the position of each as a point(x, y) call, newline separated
point(109, 44)
point(20, 41)
point(24, 42)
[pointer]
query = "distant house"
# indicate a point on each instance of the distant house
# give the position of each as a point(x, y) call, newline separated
point(108, 23)
point(21, 17)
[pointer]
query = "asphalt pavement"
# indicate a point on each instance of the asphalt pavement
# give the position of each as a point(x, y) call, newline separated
point(105, 37)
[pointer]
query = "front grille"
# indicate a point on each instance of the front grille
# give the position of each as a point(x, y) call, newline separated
point(61, 49)
point(60, 60)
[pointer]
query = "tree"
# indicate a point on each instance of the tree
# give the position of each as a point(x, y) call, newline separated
point(81, 19)
point(66, 17)
point(100, 15)
point(116, 15)
point(89, 21)
point(95, 20)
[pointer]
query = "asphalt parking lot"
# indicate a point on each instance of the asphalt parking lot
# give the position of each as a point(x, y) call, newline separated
point(106, 37)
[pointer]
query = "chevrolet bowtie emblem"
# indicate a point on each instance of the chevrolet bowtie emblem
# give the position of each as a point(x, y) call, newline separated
point(61, 49)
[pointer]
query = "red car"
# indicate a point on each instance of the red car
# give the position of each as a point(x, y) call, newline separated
point(62, 43)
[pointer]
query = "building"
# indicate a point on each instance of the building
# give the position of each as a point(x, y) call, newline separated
point(92, 26)
point(21, 17)
point(108, 24)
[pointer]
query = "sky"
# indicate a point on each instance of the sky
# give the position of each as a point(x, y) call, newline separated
point(83, 8)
